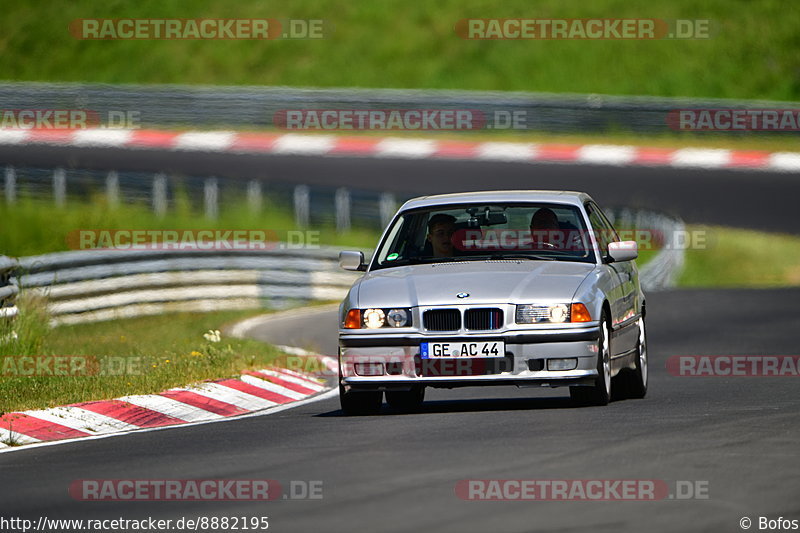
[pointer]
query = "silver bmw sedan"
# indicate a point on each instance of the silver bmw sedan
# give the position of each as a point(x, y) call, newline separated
point(493, 288)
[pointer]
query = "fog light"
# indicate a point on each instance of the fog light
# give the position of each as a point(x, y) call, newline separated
point(369, 369)
point(562, 364)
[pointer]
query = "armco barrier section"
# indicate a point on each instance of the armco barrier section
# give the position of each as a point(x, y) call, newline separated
point(8, 287)
point(95, 285)
point(252, 106)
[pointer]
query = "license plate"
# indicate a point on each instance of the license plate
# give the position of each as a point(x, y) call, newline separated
point(434, 350)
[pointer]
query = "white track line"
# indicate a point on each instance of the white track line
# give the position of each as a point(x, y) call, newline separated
point(170, 407)
point(605, 154)
point(61, 419)
point(278, 408)
point(6, 436)
point(499, 151)
point(235, 397)
point(102, 137)
point(304, 144)
point(303, 382)
point(13, 136)
point(700, 157)
point(212, 141)
point(85, 420)
point(272, 387)
point(784, 161)
point(406, 148)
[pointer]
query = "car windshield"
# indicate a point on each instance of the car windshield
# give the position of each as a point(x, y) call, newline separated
point(480, 232)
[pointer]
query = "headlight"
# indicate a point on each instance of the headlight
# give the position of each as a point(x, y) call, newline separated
point(552, 313)
point(374, 318)
point(559, 313)
point(397, 318)
point(377, 318)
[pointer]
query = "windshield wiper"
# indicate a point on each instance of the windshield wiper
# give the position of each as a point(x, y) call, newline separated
point(420, 261)
point(522, 256)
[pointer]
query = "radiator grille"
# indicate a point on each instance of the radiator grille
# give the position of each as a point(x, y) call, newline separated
point(442, 320)
point(483, 319)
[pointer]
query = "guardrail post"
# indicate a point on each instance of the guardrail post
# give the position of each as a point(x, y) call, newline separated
point(11, 185)
point(59, 187)
point(254, 196)
point(160, 195)
point(386, 207)
point(211, 198)
point(302, 206)
point(112, 188)
point(342, 210)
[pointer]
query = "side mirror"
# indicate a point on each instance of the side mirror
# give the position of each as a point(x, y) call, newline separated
point(351, 260)
point(623, 251)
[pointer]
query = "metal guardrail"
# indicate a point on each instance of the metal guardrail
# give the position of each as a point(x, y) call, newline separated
point(250, 106)
point(662, 271)
point(8, 287)
point(313, 206)
point(95, 285)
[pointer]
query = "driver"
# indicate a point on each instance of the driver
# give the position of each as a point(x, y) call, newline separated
point(440, 234)
point(547, 232)
point(544, 225)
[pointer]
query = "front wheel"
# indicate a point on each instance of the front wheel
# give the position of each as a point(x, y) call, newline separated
point(600, 392)
point(637, 378)
point(406, 401)
point(356, 403)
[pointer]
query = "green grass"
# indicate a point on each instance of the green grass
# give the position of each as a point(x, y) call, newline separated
point(39, 227)
point(395, 43)
point(742, 258)
point(134, 356)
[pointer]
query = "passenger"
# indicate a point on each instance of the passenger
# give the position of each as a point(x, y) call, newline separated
point(441, 228)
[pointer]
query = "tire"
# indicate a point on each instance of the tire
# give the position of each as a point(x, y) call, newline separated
point(637, 378)
point(357, 403)
point(406, 401)
point(600, 392)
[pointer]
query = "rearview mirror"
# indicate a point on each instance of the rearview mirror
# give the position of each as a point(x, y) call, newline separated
point(352, 260)
point(623, 251)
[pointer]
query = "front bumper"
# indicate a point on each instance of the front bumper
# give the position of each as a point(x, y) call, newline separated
point(395, 360)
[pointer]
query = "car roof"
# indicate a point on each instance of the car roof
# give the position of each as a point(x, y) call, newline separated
point(482, 197)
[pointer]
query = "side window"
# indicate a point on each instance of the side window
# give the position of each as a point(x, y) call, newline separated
point(602, 228)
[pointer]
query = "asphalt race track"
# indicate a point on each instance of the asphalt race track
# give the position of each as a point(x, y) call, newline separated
point(738, 198)
point(737, 436)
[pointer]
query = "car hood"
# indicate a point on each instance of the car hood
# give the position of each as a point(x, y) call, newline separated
point(484, 281)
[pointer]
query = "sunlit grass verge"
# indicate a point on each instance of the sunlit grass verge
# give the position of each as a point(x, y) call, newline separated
point(40, 227)
point(133, 356)
point(742, 258)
